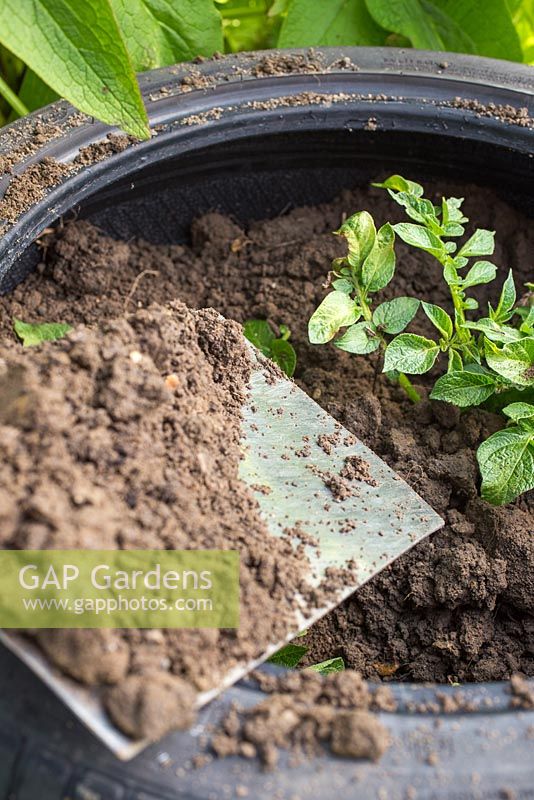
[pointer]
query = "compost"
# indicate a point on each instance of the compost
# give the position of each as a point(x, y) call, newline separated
point(127, 435)
point(459, 606)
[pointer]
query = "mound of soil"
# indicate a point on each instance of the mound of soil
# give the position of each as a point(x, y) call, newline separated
point(460, 605)
point(127, 435)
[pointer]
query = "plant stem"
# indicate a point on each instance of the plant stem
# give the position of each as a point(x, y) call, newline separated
point(362, 300)
point(409, 388)
point(10, 97)
point(405, 382)
point(462, 333)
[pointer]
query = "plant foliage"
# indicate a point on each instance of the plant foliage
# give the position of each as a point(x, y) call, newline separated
point(484, 355)
point(32, 334)
point(291, 655)
point(277, 348)
point(88, 52)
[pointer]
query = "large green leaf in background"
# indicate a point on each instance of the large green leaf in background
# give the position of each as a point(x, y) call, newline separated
point(329, 22)
point(161, 32)
point(488, 24)
point(408, 18)
point(523, 16)
point(77, 48)
point(466, 26)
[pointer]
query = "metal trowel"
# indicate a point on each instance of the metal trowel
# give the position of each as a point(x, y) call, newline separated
point(291, 474)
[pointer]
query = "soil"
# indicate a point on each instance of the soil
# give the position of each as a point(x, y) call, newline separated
point(127, 435)
point(32, 184)
point(460, 605)
point(304, 712)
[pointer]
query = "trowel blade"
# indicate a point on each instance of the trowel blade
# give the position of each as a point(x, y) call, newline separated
point(380, 520)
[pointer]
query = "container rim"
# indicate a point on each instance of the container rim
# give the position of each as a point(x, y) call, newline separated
point(409, 88)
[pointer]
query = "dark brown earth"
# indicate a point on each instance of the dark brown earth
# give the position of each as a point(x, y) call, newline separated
point(459, 606)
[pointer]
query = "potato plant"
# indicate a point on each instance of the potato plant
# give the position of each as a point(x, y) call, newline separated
point(487, 358)
point(277, 348)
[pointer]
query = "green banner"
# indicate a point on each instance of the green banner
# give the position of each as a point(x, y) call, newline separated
point(119, 589)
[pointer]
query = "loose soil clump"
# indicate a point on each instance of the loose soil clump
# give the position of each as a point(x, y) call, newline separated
point(460, 605)
point(304, 712)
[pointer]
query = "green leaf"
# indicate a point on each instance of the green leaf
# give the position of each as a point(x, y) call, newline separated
point(310, 23)
point(465, 26)
point(481, 272)
point(478, 22)
point(259, 332)
point(399, 184)
point(289, 656)
point(470, 304)
point(451, 209)
point(519, 411)
point(285, 332)
point(527, 324)
point(463, 388)
point(417, 208)
point(523, 17)
point(450, 273)
point(506, 462)
point(455, 361)
point(328, 666)
point(77, 48)
point(279, 350)
point(495, 332)
point(379, 266)
point(418, 236)
point(32, 334)
point(440, 319)
point(360, 232)
point(394, 315)
point(421, 22)
point(283, 354)
point(359, 339)
point(342, 285)
point(336, 311)
point(503, 312)
point(514, 361)
point(452, 229)
point(410, 353)
point(162, 32)
point(481, 243)
point(278, 7)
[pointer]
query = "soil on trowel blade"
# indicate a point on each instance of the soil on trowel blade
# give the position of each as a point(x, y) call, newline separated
point(460, 605)
point(127, 435)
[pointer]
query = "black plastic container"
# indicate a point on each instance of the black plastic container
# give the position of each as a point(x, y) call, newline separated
point(254, 144)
